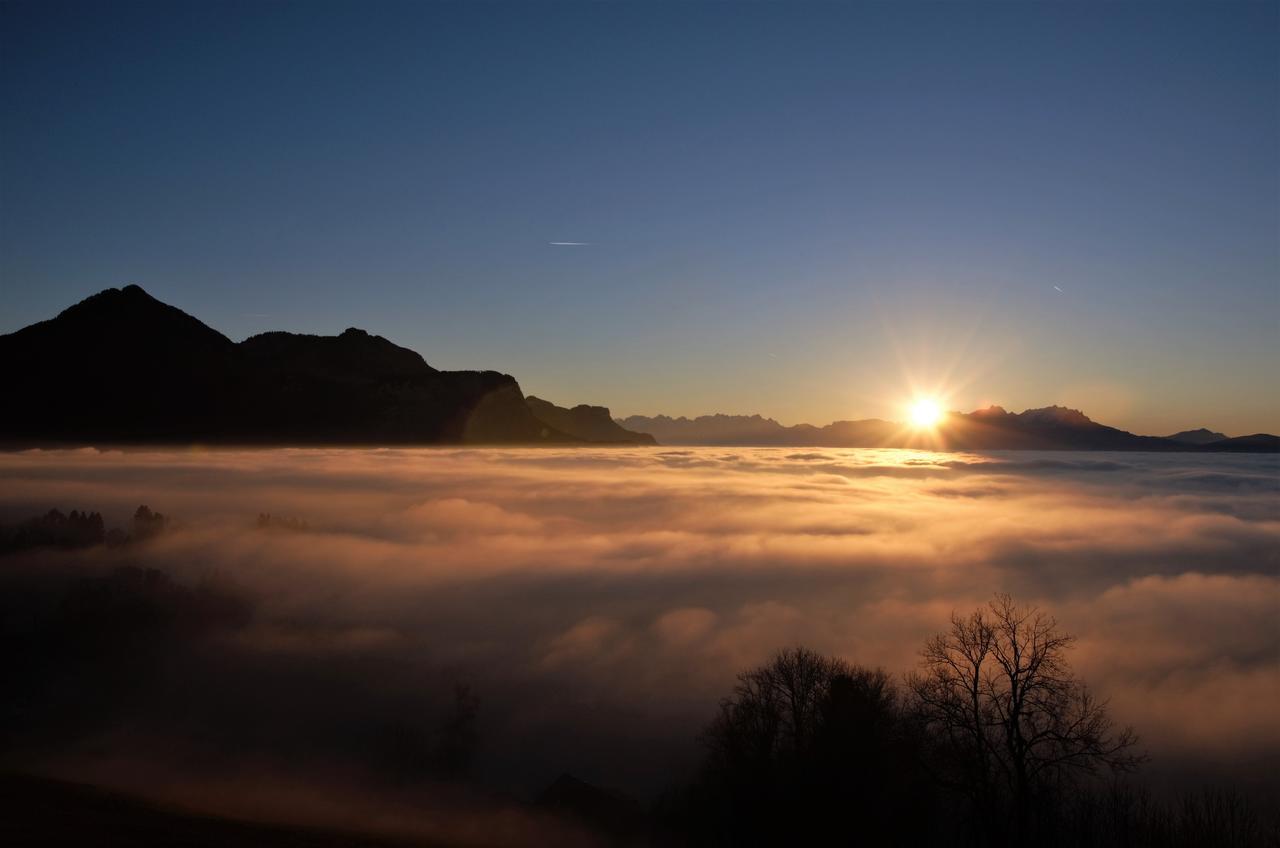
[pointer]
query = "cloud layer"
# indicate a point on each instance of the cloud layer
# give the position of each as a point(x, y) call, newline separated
point(601, 601)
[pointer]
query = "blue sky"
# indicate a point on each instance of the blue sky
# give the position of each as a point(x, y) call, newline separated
point(805, 210)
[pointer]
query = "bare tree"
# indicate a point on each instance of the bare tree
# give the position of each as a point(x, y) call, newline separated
point(1011, 722)
point(806, 747)
point(774, 708)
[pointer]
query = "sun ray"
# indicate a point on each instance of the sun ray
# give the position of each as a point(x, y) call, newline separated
point(925, 413)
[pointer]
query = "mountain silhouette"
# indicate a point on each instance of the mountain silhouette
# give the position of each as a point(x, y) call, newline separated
point(588, 423)
point(717, 430)
point(121, 366)
point(1047, 428)
point(993, 428)
point(1197, 437)
point(1256, 443)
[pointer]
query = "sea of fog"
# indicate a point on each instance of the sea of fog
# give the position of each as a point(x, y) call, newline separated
point(599, 602)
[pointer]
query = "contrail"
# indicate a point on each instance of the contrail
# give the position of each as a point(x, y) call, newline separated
point(569, 243)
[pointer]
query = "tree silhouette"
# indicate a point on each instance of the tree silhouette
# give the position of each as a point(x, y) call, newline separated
point(1009, 723)
point(54, 529)
point(147, 524)
point(809, 747)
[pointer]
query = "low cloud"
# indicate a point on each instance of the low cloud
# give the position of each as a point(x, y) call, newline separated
point(601, 601)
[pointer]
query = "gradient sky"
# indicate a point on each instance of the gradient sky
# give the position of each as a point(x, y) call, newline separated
point(802, 210)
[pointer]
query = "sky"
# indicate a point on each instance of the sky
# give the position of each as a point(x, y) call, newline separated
point(810, 211)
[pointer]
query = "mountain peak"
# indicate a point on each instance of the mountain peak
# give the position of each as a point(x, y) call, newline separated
point(1057, 415)
point(132, 295)
point(121, 365)
point(1201, 436)
point(128, 317)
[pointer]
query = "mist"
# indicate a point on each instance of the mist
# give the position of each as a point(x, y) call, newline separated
point(597, 603)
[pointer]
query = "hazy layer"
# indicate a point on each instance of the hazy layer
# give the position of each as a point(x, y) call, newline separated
point(601, 601)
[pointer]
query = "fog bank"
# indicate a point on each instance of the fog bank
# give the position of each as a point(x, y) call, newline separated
point(599, 602)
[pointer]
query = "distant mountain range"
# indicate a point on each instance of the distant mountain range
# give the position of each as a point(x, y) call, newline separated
point(123, 367)
point(1050, 428)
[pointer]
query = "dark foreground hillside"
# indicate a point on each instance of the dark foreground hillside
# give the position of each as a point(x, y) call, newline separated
point(38, 812)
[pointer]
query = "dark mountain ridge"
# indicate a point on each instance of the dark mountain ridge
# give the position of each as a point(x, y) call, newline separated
point(589, 423)
point(993, 428)
point(122, 367)
point(1202, 436)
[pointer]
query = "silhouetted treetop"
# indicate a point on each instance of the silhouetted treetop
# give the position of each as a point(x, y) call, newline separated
point(1008, 721)
point(803, 747)
point(54, 529)
point(147, 524)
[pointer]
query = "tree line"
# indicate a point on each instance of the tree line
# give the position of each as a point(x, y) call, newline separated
point(992, 741)
point(76, 530)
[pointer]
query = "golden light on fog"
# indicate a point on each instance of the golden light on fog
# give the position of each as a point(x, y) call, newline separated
point(925, 413)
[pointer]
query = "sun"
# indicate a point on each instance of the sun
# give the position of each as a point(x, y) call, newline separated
point(925, 413)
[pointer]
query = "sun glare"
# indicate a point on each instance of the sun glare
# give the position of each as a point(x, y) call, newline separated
point(925, 413)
